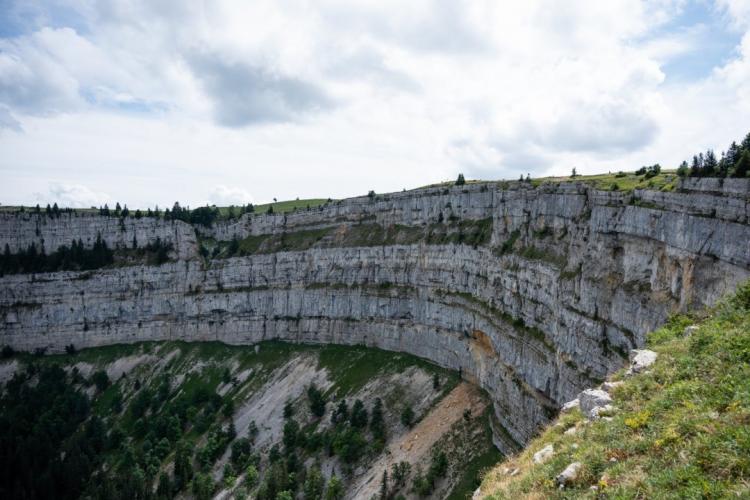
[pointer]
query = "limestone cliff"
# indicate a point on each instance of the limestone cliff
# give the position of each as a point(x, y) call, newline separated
point(563, 283)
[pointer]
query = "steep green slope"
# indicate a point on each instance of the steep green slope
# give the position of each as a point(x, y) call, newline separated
point(162, 420)
point(680, 430)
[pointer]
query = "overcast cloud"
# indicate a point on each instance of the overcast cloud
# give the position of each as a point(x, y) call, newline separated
point(230, 101)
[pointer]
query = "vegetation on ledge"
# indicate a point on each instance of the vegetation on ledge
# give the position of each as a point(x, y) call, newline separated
point(680, 430)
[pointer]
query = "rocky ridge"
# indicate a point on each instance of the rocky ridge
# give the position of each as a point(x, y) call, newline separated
point(568, 280)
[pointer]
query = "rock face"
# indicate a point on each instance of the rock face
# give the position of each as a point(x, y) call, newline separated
point(567, 281)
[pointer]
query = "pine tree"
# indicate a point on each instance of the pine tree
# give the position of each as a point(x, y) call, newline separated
point(384, 486)
point(710, 165)
point(461, 180)
point(358, 417)
point(377, 424)
point(742, 167)
point(695, 167)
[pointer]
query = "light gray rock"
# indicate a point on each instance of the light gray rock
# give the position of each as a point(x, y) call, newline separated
point(689, 330)
point(532, 328)
point(600, 412)
point(570, 405)
point(542, 455)
point(640, 359)
point(568, 475)
point(610, 386)
point(592, 400)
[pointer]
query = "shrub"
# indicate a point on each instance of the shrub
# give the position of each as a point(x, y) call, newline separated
point(358, 417)
point(100, 380)
point(317, 401)
point(407, 416)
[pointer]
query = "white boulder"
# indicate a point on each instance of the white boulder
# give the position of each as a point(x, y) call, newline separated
point(591, 400)
point(543, 454)
point(570, 405)
point(640, 359)
point(569, 474)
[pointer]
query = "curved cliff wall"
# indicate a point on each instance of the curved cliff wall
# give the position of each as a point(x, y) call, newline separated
point(561, 283)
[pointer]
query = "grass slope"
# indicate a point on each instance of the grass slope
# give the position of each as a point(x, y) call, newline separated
point(681, 430)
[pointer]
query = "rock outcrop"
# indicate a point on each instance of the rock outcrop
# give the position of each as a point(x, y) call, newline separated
point(564, 284)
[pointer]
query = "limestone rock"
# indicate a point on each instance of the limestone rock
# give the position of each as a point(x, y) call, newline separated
point(569, 474)
point(570, 405)
point(543, 454)
point(610, 386)
point(689, 330)
point(592, 400)
point(640, 359)
point(533, 332)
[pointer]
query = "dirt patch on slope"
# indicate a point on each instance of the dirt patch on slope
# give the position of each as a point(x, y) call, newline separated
point(415, 446)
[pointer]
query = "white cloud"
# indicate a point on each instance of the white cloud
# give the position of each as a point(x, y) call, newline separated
point(283, 98)
point(72, 195)
point(223, 196)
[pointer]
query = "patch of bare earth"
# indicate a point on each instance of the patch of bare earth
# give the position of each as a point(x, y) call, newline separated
point(416, 445)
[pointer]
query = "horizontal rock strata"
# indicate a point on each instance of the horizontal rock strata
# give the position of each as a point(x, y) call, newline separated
point(566, 283)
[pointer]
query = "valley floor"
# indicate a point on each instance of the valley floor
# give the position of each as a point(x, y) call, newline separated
point(274, 420)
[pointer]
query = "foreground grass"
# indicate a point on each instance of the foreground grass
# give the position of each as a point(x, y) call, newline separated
point(681, 430)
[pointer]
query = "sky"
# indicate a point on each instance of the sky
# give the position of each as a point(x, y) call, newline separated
point(147, 102)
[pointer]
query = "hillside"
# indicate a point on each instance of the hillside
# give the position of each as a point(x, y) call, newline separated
point(162, 419)
point(679, 430)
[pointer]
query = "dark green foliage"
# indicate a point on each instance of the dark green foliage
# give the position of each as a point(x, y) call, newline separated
point(100, 380)
point(424, 484)
point(649, 172)
point(201, 215)
point(242, 450)
point(735, 162)
point(335, 490)
point(377, 424)
point(358, 417)
point(460, 181)
point(341, 413)
point(218, 439)
point(400, 473)
point(349, 444)
point(291, 432)
point(75, 257)
point(165, 487)
point(288, 409)
point(314, 484)
point(407, 416)
point(35, 421)
point(317, 401)
point(202, 486)
point(183, 470)
point(384, 486)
